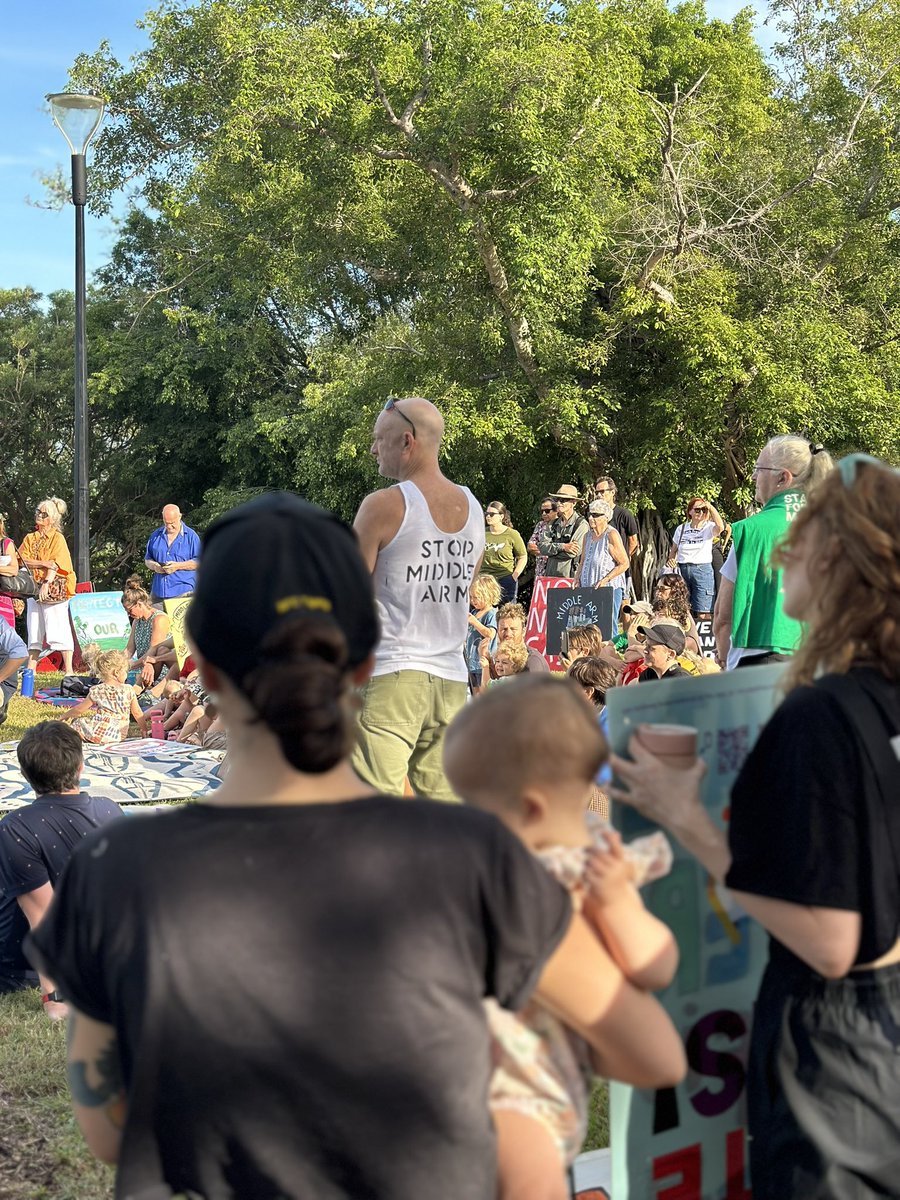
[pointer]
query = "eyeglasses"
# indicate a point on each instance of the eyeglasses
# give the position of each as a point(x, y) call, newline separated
point(392, 404)
point(756, 470)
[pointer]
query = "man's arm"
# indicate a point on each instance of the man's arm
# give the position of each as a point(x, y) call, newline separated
point(377, 522)
point(94, 1072)
point(34, 905)
point(722, 619)
point(15, 648)
point(152, 565)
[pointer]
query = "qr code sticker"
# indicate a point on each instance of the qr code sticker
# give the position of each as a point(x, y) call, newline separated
point(733, 747)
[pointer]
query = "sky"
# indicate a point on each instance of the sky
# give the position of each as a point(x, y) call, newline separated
point(40, 40)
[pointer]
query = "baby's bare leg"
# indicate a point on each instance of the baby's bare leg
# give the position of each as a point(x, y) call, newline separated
point(529, 1163)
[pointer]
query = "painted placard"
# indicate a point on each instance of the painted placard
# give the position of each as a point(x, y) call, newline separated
point(536, 629)
point(690, 1142)
point(99, 618)
point(177, 611)
point(578, 606)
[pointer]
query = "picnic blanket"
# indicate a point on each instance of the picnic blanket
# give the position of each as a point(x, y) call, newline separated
point(135, 771)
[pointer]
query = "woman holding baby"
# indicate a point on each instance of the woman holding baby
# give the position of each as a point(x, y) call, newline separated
point(279, 990)
point(813, 853)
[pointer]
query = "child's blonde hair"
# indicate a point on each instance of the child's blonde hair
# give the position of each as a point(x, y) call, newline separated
point(89, 656)
point(485, 591)
point(515, 653)
point(108, 662)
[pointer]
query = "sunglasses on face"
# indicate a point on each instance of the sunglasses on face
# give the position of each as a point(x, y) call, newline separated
point(492, 512)
point(392, 404)
point(548, 510)
point(39, 512)
point(700, 509)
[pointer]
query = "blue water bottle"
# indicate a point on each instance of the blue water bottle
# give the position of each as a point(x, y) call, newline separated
point(28, 683)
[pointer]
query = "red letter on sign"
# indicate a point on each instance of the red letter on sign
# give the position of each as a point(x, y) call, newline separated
point(734, 1167)
point(687, 1162)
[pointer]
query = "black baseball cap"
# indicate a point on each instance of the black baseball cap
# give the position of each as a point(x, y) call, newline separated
point(272, 559)
point(665, 633)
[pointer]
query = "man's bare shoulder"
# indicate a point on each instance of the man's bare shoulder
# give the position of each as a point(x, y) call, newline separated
point(384, 504)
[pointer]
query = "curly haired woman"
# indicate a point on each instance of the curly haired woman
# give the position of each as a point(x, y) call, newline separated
point(813, 853)
point(671, 599)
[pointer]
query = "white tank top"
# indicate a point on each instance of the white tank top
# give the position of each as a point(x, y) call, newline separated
point(422, 580)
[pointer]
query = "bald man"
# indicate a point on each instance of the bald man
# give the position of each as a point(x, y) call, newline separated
point(423, 539)
point(172, 554)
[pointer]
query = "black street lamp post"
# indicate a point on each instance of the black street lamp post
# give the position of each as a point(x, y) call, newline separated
point(78, 118)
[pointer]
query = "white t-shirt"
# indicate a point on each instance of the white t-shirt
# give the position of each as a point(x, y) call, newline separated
point(735, 653)
point(422, 579)
point(694, 545)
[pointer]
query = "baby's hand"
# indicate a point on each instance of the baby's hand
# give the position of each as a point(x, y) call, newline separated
point(609, 876)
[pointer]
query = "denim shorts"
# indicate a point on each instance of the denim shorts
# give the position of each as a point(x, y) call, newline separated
point(701, 585)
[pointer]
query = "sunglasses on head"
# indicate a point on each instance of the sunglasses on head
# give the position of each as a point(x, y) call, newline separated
point(849, 467)
point(392, 404)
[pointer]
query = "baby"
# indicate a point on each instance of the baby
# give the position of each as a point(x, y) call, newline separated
point(103, 716)
point(538, 782)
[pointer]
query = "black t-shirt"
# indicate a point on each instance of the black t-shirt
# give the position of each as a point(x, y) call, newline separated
point(36, 842)
point(297, 992)
point(625, 524)
point(676, 671)
point(807, 822)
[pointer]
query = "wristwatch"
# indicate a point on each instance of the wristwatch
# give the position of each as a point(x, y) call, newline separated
point(53, 998)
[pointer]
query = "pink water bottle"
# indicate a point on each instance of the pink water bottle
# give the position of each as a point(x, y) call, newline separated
point(157, 727)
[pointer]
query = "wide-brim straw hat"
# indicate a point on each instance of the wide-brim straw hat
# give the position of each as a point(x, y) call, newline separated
point(566, 491)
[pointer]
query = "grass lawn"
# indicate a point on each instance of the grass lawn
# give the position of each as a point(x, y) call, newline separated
point(42, 1156)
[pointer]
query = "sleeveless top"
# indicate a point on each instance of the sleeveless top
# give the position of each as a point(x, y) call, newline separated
point(7, 612)
point(422, 579)
point(143, 634)
point(598, 561)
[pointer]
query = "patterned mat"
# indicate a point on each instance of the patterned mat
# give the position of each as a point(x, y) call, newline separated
point(132, 772)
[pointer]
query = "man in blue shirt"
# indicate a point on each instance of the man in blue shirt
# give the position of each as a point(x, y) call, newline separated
point(172, 554)
point(13, 655)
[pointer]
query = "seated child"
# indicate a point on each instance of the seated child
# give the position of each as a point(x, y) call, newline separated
point(103, 716)
point(538, 785)
point(484, 596)
point(510, 659)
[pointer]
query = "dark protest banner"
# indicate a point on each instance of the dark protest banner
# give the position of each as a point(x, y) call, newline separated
point(578, 606)
point(690, 1142)
point(707, 641)
point(536, 629)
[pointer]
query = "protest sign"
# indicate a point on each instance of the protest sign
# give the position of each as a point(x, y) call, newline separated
point(707, 641)
point(536, 629)
point(177, 611)
point(98, 618)
point(689, 1142)
point(578, 606)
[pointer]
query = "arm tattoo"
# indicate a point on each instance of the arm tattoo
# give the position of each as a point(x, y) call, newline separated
point(109, 1090)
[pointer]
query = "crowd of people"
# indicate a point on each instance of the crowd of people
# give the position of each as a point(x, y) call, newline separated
point(425, 990)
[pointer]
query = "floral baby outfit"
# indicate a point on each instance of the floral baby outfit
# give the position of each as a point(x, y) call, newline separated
point(541, 1068)
point(108, 719)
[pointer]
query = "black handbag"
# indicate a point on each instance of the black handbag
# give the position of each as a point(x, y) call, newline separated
point(22, 584)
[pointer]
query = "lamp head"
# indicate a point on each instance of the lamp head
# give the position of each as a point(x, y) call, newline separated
point(77, 116)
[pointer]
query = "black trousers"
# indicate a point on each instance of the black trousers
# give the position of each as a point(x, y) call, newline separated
point(823, 1086)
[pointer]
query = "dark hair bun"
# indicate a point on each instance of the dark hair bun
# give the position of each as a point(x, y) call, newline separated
point(299, 691)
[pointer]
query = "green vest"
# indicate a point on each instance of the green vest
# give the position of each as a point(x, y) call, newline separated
point(758, 621)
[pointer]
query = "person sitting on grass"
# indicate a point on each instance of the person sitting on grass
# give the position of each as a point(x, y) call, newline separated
point(35, 844)
point(102, 717)
point(538, 785)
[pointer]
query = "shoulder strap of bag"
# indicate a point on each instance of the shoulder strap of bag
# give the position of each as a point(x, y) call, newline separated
point(865, 715)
